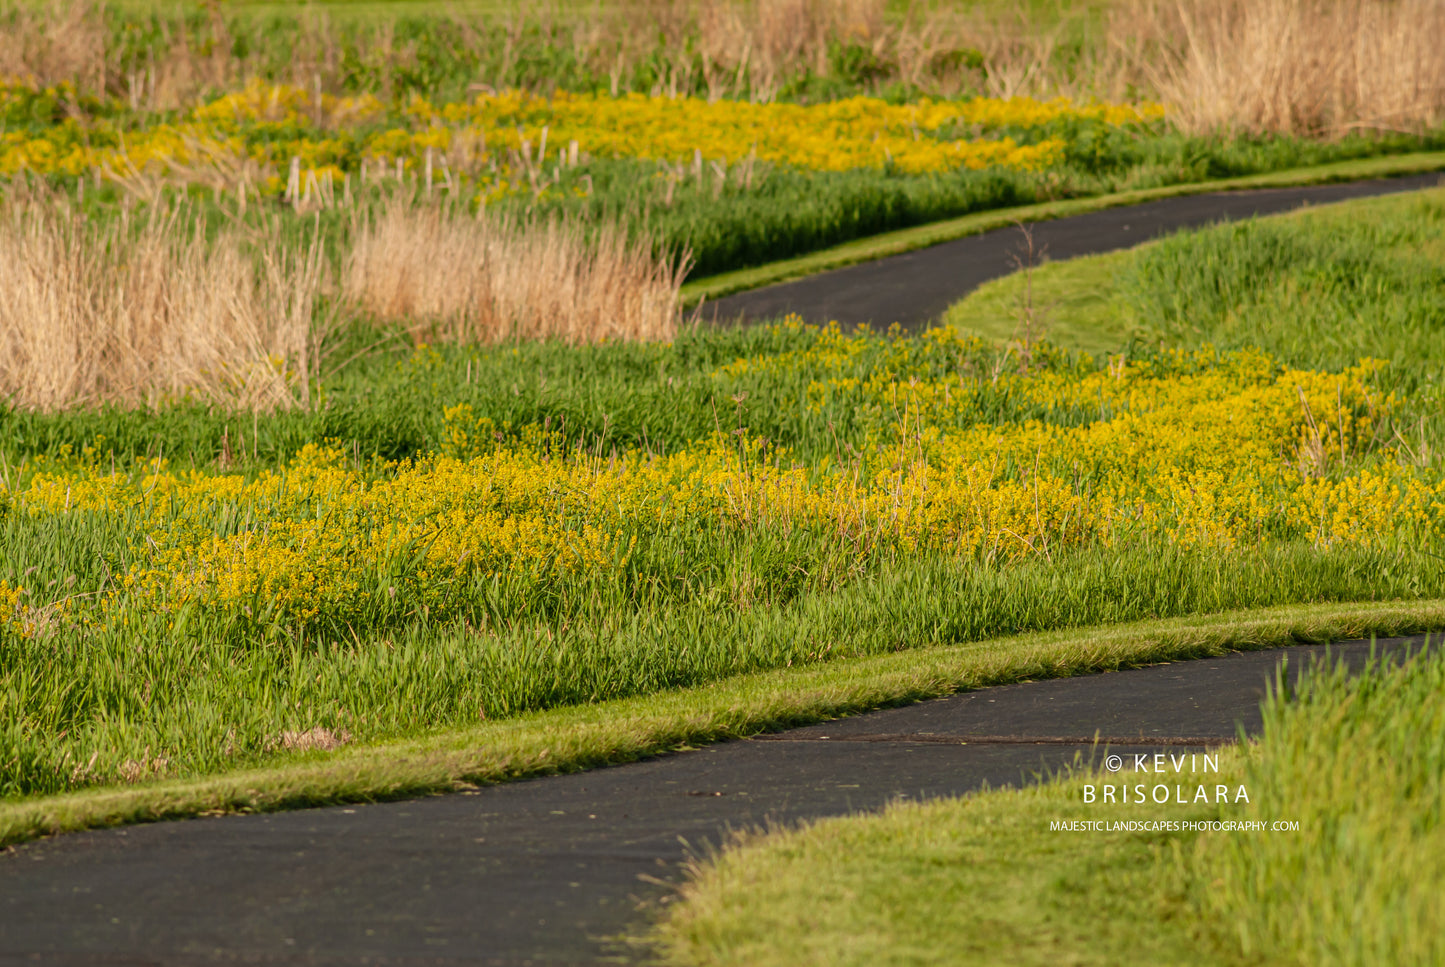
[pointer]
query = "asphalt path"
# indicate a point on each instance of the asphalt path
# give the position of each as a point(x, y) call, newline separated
point(916, 287)
point(551, 871)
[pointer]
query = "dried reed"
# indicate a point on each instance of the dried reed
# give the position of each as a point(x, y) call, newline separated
point(1296, 66)
point(142, 313)
point(766, 41)
point(732, 48)
point(1312, 67)
point(484, 279)
point(56, 41)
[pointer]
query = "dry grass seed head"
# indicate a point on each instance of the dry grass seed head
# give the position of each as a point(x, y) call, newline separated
point(1314, 67)
point(315, 739)
point(143, 312)
point(485, 279)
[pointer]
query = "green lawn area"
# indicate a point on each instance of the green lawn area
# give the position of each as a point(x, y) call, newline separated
point(1323, 285)
point(1326, 286)
point(1074, 302)
point(976, 880)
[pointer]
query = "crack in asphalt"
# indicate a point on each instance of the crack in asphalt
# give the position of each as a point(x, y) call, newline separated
point(926, 737)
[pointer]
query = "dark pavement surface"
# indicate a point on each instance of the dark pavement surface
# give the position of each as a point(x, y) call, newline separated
point(543, 872)
point(916, 287)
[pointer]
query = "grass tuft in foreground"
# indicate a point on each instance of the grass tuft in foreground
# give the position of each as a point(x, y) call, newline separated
point(1359, 763)
point(986, 879)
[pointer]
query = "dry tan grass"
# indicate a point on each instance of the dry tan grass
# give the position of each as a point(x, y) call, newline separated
point(67, 40)
point(133, 313)
point(151, 311)
point(765, 41)
point(314, 739)
point(1314, 67)
point(460, 278)
point(58, 41)
point(1320, 67)
point(752, 48)
point(1028, 55)
point(727, 47)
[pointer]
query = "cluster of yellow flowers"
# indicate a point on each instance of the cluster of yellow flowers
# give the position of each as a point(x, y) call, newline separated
point(858, 132)
point(506, 137)
point(1191, 448)
point(10, 604)
point(1188, 449)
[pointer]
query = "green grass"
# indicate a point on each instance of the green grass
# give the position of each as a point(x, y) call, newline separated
point(1073, 303)
point(1355, 761)
point(978, 880)
point(567, 739)
point(208, 690)
point(391, 404)
point(1375, 260)
point(1323, 288)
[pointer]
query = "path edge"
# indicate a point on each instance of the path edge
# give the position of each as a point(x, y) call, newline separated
point(904, 240)
point(584, 737)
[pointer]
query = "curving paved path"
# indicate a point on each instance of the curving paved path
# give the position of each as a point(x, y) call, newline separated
point(916, 287)
point(542, 872)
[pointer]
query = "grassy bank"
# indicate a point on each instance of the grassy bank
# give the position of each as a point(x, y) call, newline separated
point(978, 880)
point(1361, 881)
point(985, 879)
point(1352, 280)
point(189, 694)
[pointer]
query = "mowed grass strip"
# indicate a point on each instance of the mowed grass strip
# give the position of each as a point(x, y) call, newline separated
point(580, 737)
point(974, 880)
